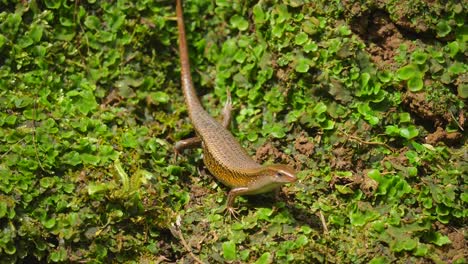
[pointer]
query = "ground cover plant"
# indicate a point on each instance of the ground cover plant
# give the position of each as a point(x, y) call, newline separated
point(366, 99)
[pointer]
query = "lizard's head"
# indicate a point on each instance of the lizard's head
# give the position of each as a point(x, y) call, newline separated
point(281, 173)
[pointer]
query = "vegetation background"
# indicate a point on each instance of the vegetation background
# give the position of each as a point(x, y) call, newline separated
point(366, 99)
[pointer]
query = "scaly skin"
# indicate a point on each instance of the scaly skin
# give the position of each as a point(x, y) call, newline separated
point(222, 154)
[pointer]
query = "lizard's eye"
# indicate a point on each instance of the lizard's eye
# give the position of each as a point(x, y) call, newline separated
point(279, 174)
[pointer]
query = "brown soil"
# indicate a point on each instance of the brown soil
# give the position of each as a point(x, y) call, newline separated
point(424, 110)
point(458, 246)
point(303, 145)
point(343, 159)
point(385, 37)
point(456, 250)
point(270, 152)
point(440, 135)
point(382, 37)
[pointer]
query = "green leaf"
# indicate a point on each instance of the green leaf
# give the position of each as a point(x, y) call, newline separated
point(229, 250)
point(365, 77)
point(277, 130)
point(385, 76)
point(310, 46)
point(360, 218)
point(421, 250)
point(439, 239)
point(22, 102)
point(301, 241)
point(3, 208)
point(407, 244)
point(379, 226)
point(412, 171)
point(383, 181)
point(47, 182)
point(252, 136)
point(283, 13)
point(105, 36)
point(453, 48)
point(407, 72)
point(129, 140)
point(265, 258)
point(160, 97)
point(59, 255)
point(244, 255)
point(415, 83)
point(330, 124)
point(239, 22)
point(404, 117)
point(40, 51)
point(462, 90)
point(10, 119)
point(12, 23)
point(90, 159)
point(264, 213)
point(337, 220)
point(457, 68)
point(443, 28)
point(419, 57)
point(53, 4)
point(94, 188)
point(229, 47)
point(302, 65)
point(73, 158)
point(92, 22)
point(379, 260)
point(36, 32)
point(3, 40)
point(344, 30)
point(343, 189)
point(25, 41)
point(409, 132)
point(117, 22)
point(9, 248)
point(86, 102)
point(301, 38)
point(49, 223)
point(259, 14)
point(240, 56)
point(123, 176)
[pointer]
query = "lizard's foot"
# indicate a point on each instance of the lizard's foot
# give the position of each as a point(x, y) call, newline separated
point(232, 212)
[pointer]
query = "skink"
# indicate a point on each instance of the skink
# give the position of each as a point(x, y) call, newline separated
point(222, 154)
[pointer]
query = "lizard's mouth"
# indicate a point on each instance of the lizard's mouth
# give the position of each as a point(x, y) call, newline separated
point(289, 178)
point(292, 179)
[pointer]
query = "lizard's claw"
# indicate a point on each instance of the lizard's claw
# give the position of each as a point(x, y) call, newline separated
point(232, 212)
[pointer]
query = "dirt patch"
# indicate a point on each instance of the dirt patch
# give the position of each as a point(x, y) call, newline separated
point(458, 240)
point(270, 152)
point(456, 250)
point(303, 145)
point(425, 111)
point(359, 180)
point(198, 191)
point(440, 135)
point(404, 13)
point(381, 36)
point(368, 186)
point(399, 161)
point(343, 160)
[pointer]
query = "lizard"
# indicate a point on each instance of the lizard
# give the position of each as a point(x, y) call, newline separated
point(224, 157)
